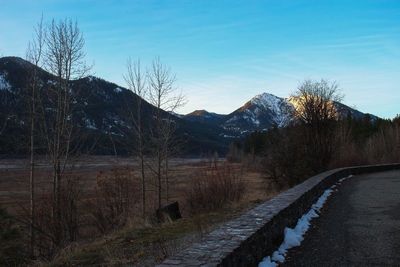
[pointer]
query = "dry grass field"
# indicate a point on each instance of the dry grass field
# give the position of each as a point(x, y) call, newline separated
point(143, 242)
point(14, 178)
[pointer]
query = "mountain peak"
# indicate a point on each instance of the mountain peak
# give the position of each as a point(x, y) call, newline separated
point(198, 112)
point(203, 115)
point(268, 101)
point(265, 95)
point(261, 112)
point(13, 59)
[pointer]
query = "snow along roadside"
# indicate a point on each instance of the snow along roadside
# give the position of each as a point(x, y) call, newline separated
point(293, 237)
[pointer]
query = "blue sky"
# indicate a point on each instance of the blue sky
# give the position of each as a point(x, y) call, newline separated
point(226, 52)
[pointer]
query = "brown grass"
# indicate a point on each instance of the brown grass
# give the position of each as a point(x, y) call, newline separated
point(382, 147)
point(213, 187)
point(107, 177)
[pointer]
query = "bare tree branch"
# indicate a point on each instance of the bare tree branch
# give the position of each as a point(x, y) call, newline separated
point(162, 95)
point(136, 81)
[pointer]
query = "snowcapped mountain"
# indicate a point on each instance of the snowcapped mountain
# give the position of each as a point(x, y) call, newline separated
point(261, 112)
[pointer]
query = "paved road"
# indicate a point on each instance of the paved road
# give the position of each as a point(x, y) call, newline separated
point(359, 225)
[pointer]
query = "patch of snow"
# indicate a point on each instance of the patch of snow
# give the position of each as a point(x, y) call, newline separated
point(267, 263)
point(342, 179)
point(4, 84)
point(51, 82)
point(89, 124)
point(293, 237)
point(231, 120)
point(117, 133)
point(255, 121)
point(175, 114)
point(118, 90)
point(228, 136)
point(251, 117)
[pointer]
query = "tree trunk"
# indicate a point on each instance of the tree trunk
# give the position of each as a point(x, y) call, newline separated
point(166, 180)
point(143, 185)
point(32, 178)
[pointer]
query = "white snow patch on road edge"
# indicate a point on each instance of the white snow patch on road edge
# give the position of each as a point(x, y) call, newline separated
point(293, 237)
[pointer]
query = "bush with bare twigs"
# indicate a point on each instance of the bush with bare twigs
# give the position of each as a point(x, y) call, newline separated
point(215, 186)
point(114, 199)
point(55, 232)
point(384, 146)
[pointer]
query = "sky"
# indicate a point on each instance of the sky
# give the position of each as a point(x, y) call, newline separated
point(225, 52)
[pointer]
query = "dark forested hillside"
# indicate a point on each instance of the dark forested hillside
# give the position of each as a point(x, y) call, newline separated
point(102, 113)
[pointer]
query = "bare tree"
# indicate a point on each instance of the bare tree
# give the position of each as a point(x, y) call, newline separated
point(64, 58)
point(162, 95)
point(314, 103)
point(136, 80)
point(34, 56)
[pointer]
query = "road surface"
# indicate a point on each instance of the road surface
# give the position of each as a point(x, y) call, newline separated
point(359, 225)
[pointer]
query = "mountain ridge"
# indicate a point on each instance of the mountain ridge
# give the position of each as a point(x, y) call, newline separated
point(101, 111)
point(264, 111)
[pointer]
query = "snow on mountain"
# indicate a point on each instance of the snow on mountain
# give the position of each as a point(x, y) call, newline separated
point(101, 112)
point(261, 112)
point(175, 114)
point(4, 84)
point(281, 109)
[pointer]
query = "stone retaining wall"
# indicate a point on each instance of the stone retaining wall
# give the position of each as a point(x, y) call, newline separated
point(246, 240)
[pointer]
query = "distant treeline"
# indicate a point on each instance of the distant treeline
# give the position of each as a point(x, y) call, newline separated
point(291, 154)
